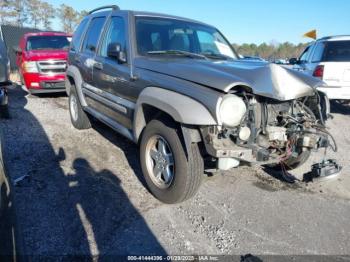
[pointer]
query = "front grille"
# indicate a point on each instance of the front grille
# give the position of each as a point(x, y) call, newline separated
point(52, 67)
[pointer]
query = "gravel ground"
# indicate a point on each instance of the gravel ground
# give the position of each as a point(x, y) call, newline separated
point(85, 196)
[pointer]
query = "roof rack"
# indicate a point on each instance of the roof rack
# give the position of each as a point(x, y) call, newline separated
point(113, 7)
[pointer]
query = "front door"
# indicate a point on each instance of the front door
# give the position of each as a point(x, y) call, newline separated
point(111, 77)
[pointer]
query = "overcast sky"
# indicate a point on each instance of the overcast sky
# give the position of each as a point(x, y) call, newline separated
point(252, 21)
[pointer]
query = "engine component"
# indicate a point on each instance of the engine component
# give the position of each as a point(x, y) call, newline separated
point(232, 110)
point(262, 155)
point(244, 133)
point(276, 133)
point(307, 141)
point(227, 163)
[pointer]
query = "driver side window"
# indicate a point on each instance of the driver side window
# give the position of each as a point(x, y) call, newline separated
point(115, 34)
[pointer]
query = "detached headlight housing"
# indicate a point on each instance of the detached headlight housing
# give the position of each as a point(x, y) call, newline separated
point(232, 110)
point(30, 67)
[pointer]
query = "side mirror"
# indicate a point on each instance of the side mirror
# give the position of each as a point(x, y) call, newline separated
point(17, 50)
point(293, 61)
point(115, 51)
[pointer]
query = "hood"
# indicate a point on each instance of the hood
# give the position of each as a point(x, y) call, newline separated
point(265, 79)
point(38, 55)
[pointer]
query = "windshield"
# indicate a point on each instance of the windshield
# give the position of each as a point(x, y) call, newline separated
point(337, 51)
point(162, 34)
point(47, 42)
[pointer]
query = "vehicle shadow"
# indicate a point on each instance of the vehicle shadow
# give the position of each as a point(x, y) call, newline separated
point(128, 147)
point(49, 95)
point(340, 108)
point(7, 226)
point(278, 173)
point(68, 209)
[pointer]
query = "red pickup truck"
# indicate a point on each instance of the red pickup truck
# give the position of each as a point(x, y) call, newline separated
point(42, 61)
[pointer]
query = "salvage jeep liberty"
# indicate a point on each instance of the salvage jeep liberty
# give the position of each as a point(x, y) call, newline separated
point(178, 89)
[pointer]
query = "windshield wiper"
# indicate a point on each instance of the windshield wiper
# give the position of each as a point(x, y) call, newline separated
point(217, 56)
point(177, 52)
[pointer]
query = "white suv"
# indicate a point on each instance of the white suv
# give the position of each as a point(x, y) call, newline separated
point(329, 59)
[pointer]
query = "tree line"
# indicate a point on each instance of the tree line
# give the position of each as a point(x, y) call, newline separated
point(39, 14)
point(272, 50)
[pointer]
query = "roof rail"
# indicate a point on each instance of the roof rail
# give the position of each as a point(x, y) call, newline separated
point(113, 7)
point(333, 36)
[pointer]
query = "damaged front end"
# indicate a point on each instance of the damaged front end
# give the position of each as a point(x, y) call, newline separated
point(269, 131)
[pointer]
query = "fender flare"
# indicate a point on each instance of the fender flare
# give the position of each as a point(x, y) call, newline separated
point(181, 108)
point(73, 72)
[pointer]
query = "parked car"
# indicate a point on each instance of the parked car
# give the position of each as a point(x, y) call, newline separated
point(328, 59)
point(176, 87)
point(254, 58)
point(4, 79)
point(281, 62)
point(42, 61)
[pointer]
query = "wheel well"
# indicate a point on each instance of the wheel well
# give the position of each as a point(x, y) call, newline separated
point(71, 80)
point(151, 112)
point(241, 88)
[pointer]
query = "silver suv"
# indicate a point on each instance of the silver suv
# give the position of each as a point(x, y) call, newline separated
point(329, 59)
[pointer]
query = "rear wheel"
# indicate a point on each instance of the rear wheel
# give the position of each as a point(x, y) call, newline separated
point(79, 118)
point(171, 175)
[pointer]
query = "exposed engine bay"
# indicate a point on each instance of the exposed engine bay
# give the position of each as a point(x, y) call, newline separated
point(270, 131)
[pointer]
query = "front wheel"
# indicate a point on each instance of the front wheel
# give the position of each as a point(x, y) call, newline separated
point(172, 175)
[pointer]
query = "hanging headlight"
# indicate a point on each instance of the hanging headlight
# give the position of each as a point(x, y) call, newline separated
point(232, 110)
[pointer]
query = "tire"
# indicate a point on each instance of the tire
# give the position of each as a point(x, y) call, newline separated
point(79, 118)
point(187, 171)
point(295, 162)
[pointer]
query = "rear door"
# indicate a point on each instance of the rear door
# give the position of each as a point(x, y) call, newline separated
point(336, 61)
point(86, 57)
point(74, 50)
point(112, 78)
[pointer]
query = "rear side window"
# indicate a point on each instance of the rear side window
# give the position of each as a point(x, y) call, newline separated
point(93, 34)
point(337, 51)
point(318, 53)
point(304, 56)
point(77, 35)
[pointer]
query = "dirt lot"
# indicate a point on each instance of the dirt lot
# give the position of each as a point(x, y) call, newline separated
point(85, 196)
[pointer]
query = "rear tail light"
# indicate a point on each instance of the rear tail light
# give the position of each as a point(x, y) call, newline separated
point(318, 71)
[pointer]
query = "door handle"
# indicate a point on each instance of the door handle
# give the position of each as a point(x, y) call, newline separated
point(98, 65)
